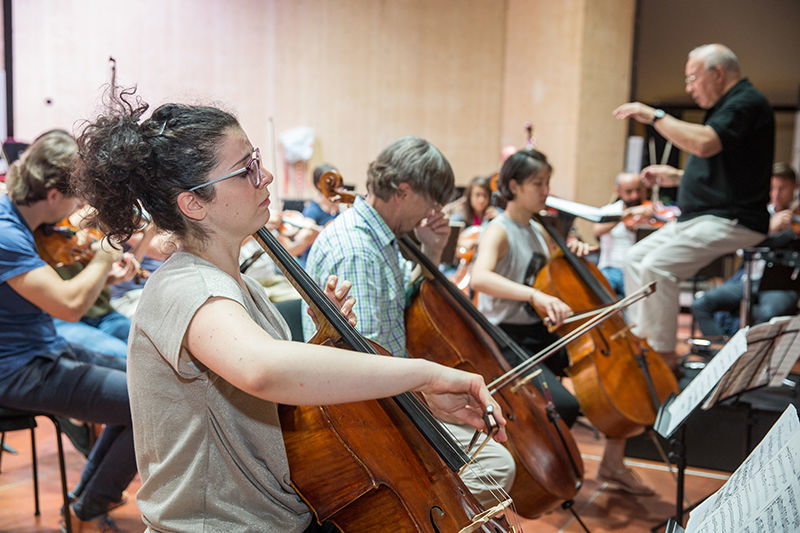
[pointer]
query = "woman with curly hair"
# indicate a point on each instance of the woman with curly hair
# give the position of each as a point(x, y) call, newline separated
point(209, 357)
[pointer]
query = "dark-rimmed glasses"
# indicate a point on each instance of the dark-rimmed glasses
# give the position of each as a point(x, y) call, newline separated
point(252, 170)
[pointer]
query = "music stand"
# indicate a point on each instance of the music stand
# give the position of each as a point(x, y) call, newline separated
point(755, 357)
point(781, 271)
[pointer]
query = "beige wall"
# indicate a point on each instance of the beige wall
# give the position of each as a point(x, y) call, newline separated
point(465, 74)
point(360, 72)
point(568, 66)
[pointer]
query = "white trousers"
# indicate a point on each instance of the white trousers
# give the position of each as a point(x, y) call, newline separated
point(673, 253)
point(492, 471)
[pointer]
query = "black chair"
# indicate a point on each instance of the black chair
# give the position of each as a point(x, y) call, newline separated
point(14, 420)
point(292, 312)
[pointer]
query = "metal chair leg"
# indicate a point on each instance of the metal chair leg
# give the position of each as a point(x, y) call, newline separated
point(63, 470)
point(37, 511)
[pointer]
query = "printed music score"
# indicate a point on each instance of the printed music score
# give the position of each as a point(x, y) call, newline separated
point(688, 400)
point(763, 495)
point(755, 357)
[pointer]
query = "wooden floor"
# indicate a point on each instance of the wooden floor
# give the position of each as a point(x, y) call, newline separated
point(601, 508)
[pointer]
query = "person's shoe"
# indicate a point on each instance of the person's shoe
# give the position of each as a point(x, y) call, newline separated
point(101, 524)
point(625, 479)
point(78, 434)
point(102, 517)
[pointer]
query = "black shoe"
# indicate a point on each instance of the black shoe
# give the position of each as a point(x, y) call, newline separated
point(78, 434)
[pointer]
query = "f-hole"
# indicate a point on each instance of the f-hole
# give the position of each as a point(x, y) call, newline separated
point(436, 513)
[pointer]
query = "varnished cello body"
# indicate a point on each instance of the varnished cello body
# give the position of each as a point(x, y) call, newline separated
point(372, 466)
point(443, 326)
point(619, 380)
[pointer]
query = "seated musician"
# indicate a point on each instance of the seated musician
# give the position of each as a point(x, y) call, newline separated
point(406, 185)
point(295, 232)
point(151, 247)
point(723, 193)
point(40, 370)
point(320, 210)
point(512, 251)
point(616, 237)
point(101, 329)
point(474, 207)
point(208, 352)
point(717, 311)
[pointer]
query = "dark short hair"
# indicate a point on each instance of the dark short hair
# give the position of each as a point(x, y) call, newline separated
point(519, 167)
point(414, 161)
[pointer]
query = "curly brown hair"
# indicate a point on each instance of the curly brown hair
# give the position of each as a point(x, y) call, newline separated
point(128, 165)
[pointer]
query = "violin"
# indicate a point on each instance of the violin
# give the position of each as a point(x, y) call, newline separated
point(395, 468)
point(289, 223)
point(445, 326)
point(466, 247)
point(64, 244)
point(619, 380)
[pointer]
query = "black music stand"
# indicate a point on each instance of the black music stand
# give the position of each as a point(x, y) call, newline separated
point(781, 270)
point(753, 358)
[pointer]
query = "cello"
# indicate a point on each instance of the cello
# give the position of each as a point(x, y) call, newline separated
point(619, 380)
point(444, 325)
point(394, 465)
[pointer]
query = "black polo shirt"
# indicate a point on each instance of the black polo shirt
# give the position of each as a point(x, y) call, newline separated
point(733, 184)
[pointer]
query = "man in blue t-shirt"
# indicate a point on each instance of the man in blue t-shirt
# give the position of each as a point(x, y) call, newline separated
point(724, 188)
point(40, 371)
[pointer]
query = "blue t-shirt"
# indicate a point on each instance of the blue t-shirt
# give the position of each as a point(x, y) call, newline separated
point(321, 217)
point(25, 330)
point(317, 214)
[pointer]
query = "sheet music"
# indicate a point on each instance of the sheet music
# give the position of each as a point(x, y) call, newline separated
point(750, 371)
point(692, 395)
point(607, 213)
point(782, 515)
point(787, 350)
point(764, 486)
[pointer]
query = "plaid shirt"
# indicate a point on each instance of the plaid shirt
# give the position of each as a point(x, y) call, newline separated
point(358, 246)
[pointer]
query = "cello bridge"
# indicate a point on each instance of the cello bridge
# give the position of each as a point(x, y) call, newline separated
point(482, 518)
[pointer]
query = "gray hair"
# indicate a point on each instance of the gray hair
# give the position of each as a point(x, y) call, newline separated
point(414, 161)
point(717, 55)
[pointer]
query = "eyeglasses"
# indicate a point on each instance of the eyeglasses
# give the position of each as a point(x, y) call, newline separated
point(252, 170)
point(693, 77)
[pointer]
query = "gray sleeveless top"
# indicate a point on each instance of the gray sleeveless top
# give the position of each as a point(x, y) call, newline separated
point(211, 456)
point(527, 254)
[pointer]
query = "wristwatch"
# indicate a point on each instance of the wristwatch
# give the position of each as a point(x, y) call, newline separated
point(657, 114)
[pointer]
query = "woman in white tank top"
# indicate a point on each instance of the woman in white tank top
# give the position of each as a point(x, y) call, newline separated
point(511, 252)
